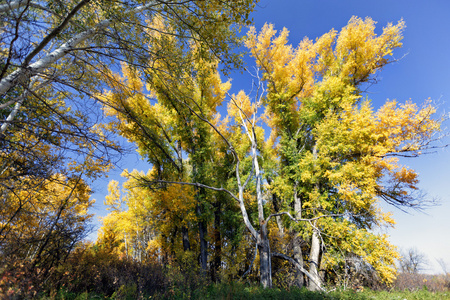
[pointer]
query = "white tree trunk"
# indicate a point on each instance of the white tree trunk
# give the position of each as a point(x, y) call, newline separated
point(314, 261)
point(16, 4)
point(297, 247)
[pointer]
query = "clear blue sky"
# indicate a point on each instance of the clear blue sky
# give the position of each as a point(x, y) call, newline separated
point(423, 72)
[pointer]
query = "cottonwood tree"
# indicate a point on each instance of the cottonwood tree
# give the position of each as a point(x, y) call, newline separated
point(336, 154)
point(328, 160)
point(169, 130)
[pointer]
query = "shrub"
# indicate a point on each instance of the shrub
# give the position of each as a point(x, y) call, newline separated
point(415, 282)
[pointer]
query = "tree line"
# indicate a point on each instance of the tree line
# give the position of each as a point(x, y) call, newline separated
point(283, 180)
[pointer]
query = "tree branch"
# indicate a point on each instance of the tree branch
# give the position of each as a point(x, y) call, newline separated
point(55, 32)
point(300, 268)
point(149, 182)
point(301, 220)
point(21, 74)
point(16, 4)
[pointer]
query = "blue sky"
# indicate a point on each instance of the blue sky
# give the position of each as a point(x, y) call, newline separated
point(423, 72)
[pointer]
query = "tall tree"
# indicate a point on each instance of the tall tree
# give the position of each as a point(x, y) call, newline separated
point(337, 156)
point(329, 157)
point(170, 130)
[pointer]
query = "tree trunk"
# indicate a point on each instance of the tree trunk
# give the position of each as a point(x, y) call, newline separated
point(299, 280)
point(265, 260)
point(216, 264)
point(314, 254)
point(314, 261)
point(202, 230)
point(185, 237)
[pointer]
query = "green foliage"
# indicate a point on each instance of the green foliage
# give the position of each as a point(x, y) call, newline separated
point(416, 295)
point(236, 291)
point(241, 291)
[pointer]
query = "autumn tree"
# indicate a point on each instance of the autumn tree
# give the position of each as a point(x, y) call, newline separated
point(330, 156)
point(169, 133)
point(337, 155)
point(52, 57)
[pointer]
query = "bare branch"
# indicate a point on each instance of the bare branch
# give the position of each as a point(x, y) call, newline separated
point(300, 268)
point(301, 220)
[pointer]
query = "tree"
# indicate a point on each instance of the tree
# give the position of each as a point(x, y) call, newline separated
point(52, 58)
point(412, 261)
point(54, 52)
point(338, 156)
point(164, 132)
point(328, 160)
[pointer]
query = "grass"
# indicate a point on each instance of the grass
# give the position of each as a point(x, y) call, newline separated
point(245, 292)
point(402, 295)
point(240, 291)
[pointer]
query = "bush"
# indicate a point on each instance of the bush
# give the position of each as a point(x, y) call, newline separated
point(101, 272)
point(19, 281)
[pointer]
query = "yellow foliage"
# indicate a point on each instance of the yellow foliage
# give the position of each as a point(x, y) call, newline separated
point(340, 154)
point(27, 216)
point(141, 212)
